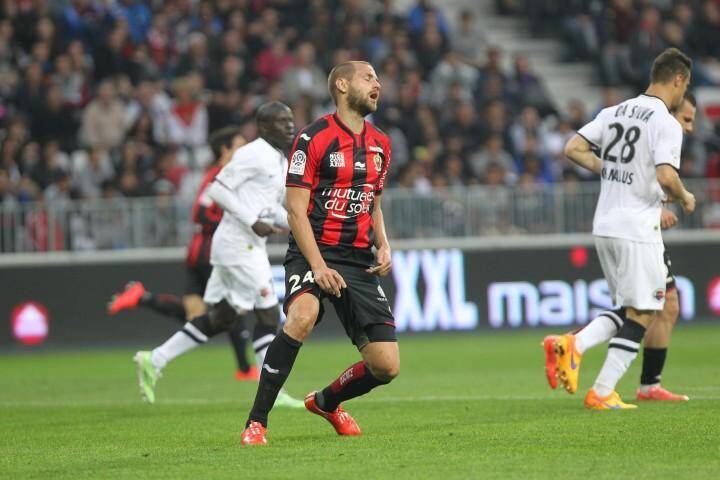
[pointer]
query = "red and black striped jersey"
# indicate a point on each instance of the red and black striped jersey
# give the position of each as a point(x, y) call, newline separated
point(206, 216)
point(344, 172)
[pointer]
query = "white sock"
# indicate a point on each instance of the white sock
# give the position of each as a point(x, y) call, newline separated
point(181, 342)
point(260, 346)
point(646, 388)
point(600, 330)
point(616, 364)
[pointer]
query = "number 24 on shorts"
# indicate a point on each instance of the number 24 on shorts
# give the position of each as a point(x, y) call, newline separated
point(296, 283)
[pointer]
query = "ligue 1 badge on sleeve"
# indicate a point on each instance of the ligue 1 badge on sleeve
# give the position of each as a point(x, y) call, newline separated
point(377, 159)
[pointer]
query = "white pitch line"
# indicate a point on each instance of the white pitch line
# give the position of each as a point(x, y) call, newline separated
point(202, 401)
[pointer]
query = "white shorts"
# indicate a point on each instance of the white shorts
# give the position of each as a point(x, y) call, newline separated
point(244, 287)
point(635, 272)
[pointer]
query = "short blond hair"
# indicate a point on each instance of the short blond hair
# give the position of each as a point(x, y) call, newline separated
point(344, 70)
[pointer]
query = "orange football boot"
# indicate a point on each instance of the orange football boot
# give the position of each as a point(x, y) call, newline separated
point(126, 299)
point(657, 392)
point(548, 345)
point(341, 420)
point(254, 434)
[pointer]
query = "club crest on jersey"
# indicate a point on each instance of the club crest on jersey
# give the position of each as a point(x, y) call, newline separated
point(297, 163)
point(659, 294)
point(377, 160)
point(337, 159)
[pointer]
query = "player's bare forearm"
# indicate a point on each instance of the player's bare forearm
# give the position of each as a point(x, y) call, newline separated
point(578, 151)
point(297, 204)
point(381, 239)
point(383, 256)
point(670, 182)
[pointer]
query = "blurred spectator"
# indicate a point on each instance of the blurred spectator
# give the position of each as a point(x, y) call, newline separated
point(187, 121)
point(90, 178)
point(56, 121)
point(469, 38)
point(104, 120)
point(304, 78)
point(493, 153)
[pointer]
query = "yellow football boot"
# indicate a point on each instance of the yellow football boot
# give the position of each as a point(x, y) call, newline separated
point(568, 362)
point(611, 402)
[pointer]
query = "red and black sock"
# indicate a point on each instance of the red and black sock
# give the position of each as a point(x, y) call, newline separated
point(164, 304)
point(355, 381)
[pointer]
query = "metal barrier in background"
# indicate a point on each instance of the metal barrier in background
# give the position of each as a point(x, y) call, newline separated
point(124, 223)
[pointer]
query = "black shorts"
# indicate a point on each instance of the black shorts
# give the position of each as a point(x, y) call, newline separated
point(196, 279)
point(362, 308)
point(670, 278)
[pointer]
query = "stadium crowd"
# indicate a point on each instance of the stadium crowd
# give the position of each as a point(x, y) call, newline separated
point(100, 99)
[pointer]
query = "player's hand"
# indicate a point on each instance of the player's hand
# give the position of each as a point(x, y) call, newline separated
point(383, 262)
point(329, 280)
point(262, 229)
point(668, 219)
point(688, 203)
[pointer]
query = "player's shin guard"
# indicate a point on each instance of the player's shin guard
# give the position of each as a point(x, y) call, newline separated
point(601, 329)
point(279, 360)
point(165, 304)
point(182, 342)
point(653, 363)
point(355, 381)
point(622, 350)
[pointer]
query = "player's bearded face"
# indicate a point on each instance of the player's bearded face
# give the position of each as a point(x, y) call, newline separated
point(363, 102)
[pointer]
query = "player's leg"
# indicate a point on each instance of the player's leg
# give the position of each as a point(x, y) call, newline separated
point(194, 306)
point(135, 295)
point(379, 366)
point(194, 333)
point(239, 336)
point(622, 350)
point(639, 271)
point(303, 310)
point(601, 329)
point(364, 312)
point(567, 356)
point(655, 346)
point(264, 333)
point(280, 356)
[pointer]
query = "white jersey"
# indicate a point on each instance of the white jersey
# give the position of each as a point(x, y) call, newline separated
point(256, 174)
point(634, 137)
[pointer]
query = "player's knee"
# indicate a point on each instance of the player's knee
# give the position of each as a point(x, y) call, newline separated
point(386, 371)
point(301, 317)
point(194, 306)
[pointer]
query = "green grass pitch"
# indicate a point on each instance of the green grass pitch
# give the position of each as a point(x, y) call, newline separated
point(464, 406)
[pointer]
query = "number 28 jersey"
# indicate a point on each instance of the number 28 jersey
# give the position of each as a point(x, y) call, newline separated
point(634, 138)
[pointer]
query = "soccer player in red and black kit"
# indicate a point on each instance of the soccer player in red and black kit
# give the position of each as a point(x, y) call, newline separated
point(206, 216)
point(334, 183)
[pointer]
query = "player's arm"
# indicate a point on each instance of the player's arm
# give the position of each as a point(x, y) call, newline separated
point(281, 219)
point(668, 219)
point(383, 256)
point(667, 162)
point(579, 151)
point(222, 191)
point(670, 181)
point(326, 278)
